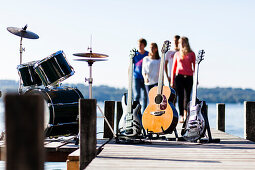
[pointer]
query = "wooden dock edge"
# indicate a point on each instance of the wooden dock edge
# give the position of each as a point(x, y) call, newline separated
point(73, 159)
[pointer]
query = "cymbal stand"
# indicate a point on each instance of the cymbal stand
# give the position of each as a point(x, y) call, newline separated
point(90, 80)
point(20, 62)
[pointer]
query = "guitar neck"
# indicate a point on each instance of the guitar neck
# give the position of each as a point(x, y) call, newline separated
point(161, 74)
point(129, 100)
point(194, 92)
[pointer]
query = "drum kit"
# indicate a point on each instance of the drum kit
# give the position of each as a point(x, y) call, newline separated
point(43, 77)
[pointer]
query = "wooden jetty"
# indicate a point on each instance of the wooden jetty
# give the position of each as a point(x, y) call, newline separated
point(231, 153)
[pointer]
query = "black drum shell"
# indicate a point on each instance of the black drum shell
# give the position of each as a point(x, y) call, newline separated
point(28, 75)
point(63, 105)
point(54, 69)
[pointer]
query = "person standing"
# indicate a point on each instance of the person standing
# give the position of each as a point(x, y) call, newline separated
point(138, 83)
point(182, 75)
point(150, 68)
point(169, 58)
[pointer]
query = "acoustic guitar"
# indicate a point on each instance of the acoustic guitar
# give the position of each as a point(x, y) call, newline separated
point(160, 116)
point(130, 123)
point(194, 125)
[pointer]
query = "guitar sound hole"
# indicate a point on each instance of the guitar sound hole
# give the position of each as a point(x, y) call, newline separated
point(158, 99)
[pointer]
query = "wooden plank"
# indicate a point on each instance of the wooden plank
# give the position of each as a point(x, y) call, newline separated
point(74, 157)
point(24, 120)
point(231, 153)
point(220, 118)
point(118, 115)
point(109, 108)
point(87, 111)
point(249, 119)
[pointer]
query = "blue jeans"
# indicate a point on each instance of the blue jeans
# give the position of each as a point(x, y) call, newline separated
point(138, 89)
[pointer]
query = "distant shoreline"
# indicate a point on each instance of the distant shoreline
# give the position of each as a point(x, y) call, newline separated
point(104, 92)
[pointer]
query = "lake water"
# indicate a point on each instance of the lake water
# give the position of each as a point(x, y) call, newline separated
point(234, 125)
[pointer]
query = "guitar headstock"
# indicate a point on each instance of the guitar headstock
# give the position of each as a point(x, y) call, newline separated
point(133, 52)
point(200, 56)
point(166, 46)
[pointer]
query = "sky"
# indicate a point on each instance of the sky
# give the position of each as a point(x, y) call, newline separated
point(223, 28)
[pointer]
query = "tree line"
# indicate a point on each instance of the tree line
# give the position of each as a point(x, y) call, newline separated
point(103, 92)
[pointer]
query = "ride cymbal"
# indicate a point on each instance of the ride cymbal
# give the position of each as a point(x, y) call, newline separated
point(22, 32)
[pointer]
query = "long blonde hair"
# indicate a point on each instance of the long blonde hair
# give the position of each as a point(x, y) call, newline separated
point(184, 46)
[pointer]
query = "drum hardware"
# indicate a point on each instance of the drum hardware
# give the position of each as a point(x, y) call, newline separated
point(22, 33)
point(90, 58)
point(61, 124)
point(61, 104)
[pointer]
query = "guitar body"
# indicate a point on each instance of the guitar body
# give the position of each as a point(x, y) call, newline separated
point(160, 117)
point(194, 125)
point(135, 128)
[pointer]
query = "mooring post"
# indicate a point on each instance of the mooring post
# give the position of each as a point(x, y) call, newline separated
point(249, 119)
point(109, 108)
point(118, 114)
point(220, 120)
point(24, 124)
point(87, 125)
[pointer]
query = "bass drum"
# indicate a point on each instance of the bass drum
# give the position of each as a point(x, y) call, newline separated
point(61, 110)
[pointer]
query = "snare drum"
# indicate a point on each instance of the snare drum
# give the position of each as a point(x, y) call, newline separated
point(28, 74)
point(61, 110)
point(54, 69)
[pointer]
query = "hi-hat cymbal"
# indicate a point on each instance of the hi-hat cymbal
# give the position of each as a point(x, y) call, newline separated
point(91, 59)
point(22, 32)
point(91, 55)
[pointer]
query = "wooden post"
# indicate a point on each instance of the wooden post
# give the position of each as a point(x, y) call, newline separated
point(109, 107)
point(249, 119)
point(87, 111)
point(220, 121)
point(24, 123)
point(118, 115)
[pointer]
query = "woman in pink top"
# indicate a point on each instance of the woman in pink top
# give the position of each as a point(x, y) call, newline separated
point(182, 75)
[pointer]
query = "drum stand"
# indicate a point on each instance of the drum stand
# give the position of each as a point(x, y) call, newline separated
point(23, 33)
point(20, 62)
point(90, 81)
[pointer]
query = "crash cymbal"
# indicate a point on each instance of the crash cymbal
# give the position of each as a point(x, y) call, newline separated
point(91, 55)
point(22, 32)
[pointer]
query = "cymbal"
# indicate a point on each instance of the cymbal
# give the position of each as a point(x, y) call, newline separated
point(22, 32)
point(91, 55)
point(91, 59)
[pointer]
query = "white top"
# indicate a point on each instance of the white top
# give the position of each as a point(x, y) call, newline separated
point(170, 58)
point(151, 69)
